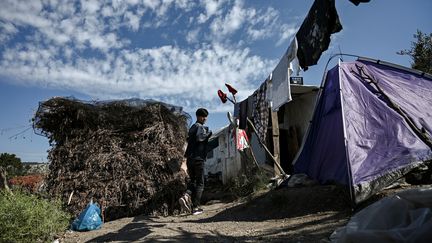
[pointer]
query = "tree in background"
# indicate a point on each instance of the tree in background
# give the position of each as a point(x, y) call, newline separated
point(420, 52)
point(11, 164)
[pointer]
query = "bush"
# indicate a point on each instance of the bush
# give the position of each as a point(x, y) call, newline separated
point(27, 218)
point(11, 164)
point(244, 184)
point(30, 183)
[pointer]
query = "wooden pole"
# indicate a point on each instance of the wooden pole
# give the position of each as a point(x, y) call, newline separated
point(276, 148)
point(253, 156)
point(265, 148)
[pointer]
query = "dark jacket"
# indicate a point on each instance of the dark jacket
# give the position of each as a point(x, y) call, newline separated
point(197, 141)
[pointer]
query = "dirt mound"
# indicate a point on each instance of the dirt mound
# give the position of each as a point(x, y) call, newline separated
point(124, 155)
point(288, 203)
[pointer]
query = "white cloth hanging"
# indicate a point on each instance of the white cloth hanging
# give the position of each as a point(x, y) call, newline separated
point(281, 92)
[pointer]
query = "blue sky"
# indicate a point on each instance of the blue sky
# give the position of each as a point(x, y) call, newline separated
point(177, 51)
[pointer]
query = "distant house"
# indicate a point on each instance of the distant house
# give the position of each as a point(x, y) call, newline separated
point(293, 119)
point(225, 158)
point(36, 167)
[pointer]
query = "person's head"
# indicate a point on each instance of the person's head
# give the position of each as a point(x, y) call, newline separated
point(201, 115)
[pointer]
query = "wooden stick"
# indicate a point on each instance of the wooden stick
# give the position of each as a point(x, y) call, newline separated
point(3, 180)
point(265, 147)
point(253, 156)
point(275, 138)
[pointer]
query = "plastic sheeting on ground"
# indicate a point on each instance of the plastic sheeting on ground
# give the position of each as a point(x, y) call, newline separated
point(404, 217)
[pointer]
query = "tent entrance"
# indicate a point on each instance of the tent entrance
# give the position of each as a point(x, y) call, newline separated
point(294, 118)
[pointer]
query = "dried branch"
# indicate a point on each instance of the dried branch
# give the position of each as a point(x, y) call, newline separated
point(127, 158)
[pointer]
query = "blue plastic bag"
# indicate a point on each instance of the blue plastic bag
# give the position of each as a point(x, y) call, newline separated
point(89, 219)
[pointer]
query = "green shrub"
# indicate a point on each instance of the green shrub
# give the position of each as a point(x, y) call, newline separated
point(246, 183)
point(11, 164)
point(27, 218)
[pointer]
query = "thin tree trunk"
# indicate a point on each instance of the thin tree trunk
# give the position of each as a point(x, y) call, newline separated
point(3, 180)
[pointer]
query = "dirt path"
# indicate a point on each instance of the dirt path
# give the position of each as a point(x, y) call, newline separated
point(285, 215)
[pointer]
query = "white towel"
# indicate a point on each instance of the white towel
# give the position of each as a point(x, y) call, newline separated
point(281, 92)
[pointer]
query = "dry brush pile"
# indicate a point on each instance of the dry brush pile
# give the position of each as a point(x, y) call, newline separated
point(123, 155)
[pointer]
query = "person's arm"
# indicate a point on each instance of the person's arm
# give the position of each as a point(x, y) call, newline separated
point(203, 133)
point(192, 131)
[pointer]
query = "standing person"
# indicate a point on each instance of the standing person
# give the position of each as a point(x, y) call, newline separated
point(196, 153)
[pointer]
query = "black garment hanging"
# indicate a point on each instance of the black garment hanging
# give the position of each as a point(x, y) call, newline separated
point(313, 36)
point(357, 2)
point(243, 114)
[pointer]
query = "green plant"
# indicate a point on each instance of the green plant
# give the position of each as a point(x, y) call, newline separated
point(244, 184)
point(420, 52)
point(11, 164)
point(27, 218)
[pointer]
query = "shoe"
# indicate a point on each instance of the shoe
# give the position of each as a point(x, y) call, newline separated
point(197, 211)
point(184, 204)
point(188, 198)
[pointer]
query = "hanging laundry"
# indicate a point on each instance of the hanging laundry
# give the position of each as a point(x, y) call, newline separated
point(251, 106)
point(243, 111)
point(314, 34)
point(281, 92)
point(269, 93)
point(357, 2)
point(260, 115)
point(294, 67)
point(242, 140)
point(236, 112)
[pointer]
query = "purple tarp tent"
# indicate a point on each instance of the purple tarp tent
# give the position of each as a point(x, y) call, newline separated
point(357, 137)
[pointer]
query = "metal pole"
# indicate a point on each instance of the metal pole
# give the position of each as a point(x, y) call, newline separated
point(350, 183)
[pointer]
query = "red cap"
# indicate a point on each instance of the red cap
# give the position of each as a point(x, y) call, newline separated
point(231, 89)
point(222, 96)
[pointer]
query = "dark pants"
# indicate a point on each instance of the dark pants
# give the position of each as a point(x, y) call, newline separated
point(196, 184)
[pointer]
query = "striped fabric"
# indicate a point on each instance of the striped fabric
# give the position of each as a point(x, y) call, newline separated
point(260, 115)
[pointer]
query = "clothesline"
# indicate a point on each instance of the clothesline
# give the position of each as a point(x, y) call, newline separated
point(311, 40)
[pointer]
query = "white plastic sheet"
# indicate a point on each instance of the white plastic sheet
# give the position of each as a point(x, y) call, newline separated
point(405, 217)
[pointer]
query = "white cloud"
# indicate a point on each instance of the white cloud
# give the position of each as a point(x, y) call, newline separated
point(90, 6)
point(62, 24)
point(85, 48)
point(263, 24)
point(231, 22)
point(212, 7)
point(7, 31)
point(107, 11)
point(254, 24)
point(152, 4)
point(192, 36)
point(165, 73)
point(133, 20)
point(22, 15)
point(287, 31)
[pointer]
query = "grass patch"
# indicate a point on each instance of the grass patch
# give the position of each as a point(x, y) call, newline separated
point(27, 218)
point(252, 181)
